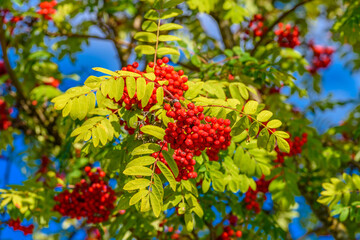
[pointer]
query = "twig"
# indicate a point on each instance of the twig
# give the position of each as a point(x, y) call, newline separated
point(276, 22)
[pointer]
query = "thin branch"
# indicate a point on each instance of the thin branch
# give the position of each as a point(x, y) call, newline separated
point(284, 15)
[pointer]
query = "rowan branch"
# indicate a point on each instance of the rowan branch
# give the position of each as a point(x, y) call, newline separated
point(272, 26)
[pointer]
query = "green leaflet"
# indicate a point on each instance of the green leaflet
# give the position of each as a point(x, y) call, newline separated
point(170, 26)
point(165, 51)
point(141, 86)
point(131, 86)
point(155, 131)
point(274, 123)
point(137, 184)
point(148, 92)
point(171, 162)
point(145, 37)
point(283, 144)
point(141, 161)
point(138, 171)
point(160, 95)
point(264, 116)
point(138, 196)
point(168, 174)
point(147, 148)
point(251, 107)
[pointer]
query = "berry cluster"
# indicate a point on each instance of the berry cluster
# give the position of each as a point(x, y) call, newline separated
point(16, 225)
point(47, 9)
point(5, 123)
point(295, 148)
point(228, 233)
point(256, 26)
point(287, 36)
point(262, 186)
point(321, 57)
point(93, 199)
point(163, 72)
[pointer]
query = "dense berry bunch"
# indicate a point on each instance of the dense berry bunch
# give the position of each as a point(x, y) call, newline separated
point(321, 57)
point(93, 199)
point(47, 9)
point(16, 225)
point(194, 132)
point(163, 72)
point(184, 160)
point(5, 123)
point(256, 26)
point(262, 186)
point(295, 148)
point(287, 36)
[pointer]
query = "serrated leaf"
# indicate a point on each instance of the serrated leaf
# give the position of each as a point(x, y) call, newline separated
point(172, 3)
point(131, 86)
point(271, 143)
point(145, 37)
point(145, 49)
point(281, 134)
point(119, 88)
point(138, 196)
point(66, 110)
point(251, 107)
point(156, 205)
point(148, 92)
point(93, 82)
point(205, 184)
point(168, 174)
point(155, 131)
point(170, 13)
point(147, 148)
point(141, 86)
point(170, 27)
point(166, 50)
point(141, 161)
point(263, 138)
point(106, 71)
point(145, 203)
point(274, 123)
point(189, 222)
point(160, 95)
point(152, 15)
point(264, 116)
point(138, 171)
point(149, 26)
point(137, 184)
point(166, 38)
point(283, 144)
point(171, 162)
point(243, 91)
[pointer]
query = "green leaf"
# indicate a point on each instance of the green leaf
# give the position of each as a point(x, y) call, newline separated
point(243, 91)
point(165, 51)
point(147, 148)
point(189, 222)
point(170, 13)
point(131, 86)
point(137, 184)
point(102, 134)
point(283, 144)
point(263, 138)
point(149, 26)
point(281, 134)
point(172, 3)
point(150, 76)
point(138, 171)
point(254, 129)
point(251, 107)
point(274, 123)
point(155, 131)
point(168, 174)
point(145, 37)
point(145, 49)
point(67, 109)
point(171, 162)
point(160, 95)
point(166, 38)
point(205, 184)
point(264, 116)
point(138, 196)
point(170, 26)
point(271, 143)
point(141, 161)
point(156, 205)
point(93, 82)
point(103, 70)
point(148, 92)
point(119, 88)
point(145, 203)
point(141, 86)
point(152, 15)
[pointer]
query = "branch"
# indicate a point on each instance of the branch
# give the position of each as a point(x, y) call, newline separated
point(77, 35)
point(284, 15)
point(225, 31)
point(23, 101)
